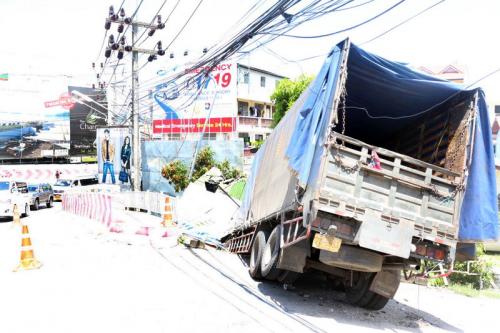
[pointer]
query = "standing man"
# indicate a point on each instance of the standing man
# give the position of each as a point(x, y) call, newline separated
point(108, 157)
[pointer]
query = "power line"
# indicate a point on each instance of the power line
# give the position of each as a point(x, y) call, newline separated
point(378, 36)
point(343, 30)
point(403, 22)
point(185, 24)
point(150, 23)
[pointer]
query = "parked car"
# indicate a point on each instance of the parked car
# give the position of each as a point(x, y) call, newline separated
point(68, 184)
point(14, 193)
point(41, 193)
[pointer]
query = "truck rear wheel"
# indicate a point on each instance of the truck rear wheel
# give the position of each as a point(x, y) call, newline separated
point(258, 246)
point(359, 294)
point(354, 293)
point(271, 255)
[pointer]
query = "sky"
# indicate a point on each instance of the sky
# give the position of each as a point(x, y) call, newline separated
point(63, 37)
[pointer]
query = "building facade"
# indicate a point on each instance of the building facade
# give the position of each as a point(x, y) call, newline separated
point(235, 103)
point(255, 109)
point(454, 73)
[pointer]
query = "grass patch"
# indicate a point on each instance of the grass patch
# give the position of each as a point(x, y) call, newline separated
point(468, 290)
point(493, 258)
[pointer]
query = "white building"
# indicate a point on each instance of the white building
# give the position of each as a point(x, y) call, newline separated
point(254, 106)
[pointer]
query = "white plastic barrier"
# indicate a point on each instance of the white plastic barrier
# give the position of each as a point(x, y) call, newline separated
point(151, 202)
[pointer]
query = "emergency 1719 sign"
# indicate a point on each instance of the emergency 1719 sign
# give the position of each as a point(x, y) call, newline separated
point(196, 97)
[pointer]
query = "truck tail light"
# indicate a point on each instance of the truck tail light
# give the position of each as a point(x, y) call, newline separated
point(439, 254)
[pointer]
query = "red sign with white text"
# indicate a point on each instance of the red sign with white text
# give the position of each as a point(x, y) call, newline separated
point(194, 125)
point(65, 100)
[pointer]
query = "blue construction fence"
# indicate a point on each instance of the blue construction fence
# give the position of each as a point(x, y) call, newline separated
point(156, 154)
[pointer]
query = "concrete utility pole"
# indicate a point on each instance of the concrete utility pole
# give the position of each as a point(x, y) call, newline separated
point(119, 45)
point(136, 140)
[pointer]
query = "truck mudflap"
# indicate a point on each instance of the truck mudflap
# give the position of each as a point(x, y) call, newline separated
point(293, 258)
point(386, 234)
point(386, 283)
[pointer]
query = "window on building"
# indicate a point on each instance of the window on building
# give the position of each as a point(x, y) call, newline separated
point(267, 113)
point(209, 136)
point(259, 137)
point(242, 108)
point(245, 137)
point(259, 109)
point(252, 111)
point(497, 109)
point(243, 75)
point(262, 81)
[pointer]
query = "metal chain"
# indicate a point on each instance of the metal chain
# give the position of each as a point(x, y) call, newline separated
point(338, 159)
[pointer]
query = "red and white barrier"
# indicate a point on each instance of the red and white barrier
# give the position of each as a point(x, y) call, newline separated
point(45, 172)
point(95, 206)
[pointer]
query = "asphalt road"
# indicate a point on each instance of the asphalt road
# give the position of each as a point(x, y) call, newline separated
point(95, 281)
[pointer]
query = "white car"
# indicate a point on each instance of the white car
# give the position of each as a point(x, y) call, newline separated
point(68, 185)
point(14, 193)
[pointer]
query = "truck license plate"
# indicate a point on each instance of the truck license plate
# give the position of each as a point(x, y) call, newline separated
point(328, 243)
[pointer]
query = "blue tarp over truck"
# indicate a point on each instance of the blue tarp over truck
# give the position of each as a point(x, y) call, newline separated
point(382, 99)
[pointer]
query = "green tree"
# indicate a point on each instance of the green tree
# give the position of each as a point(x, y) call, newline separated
point(205, 160)
point(177, 173)
point(286, 93)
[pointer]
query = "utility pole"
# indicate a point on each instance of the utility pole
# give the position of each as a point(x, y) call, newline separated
point(119, 45)
point(136, 142)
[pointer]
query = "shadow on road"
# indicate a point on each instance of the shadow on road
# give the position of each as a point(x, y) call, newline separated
point(5, 219)
point(314, 295)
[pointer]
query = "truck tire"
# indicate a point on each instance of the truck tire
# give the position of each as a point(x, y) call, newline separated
point(355, 294)
point(271, 254)
point(360, 295)
point(256, 254)
point(377, 303)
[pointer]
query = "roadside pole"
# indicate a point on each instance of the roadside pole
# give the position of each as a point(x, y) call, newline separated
point(136, 149)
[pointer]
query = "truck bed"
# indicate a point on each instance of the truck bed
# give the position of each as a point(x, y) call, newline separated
point(407, 198)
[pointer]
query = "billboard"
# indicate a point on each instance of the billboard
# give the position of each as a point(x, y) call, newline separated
point(40, 118)
point(28, 128)
point(88, 111)
point(114, 155)
point(192, 104)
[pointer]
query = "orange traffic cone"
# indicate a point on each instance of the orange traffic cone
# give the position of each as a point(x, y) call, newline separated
point(167, 213)
point(28, 260)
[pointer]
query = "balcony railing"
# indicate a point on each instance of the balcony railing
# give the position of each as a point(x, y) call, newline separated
point(254, 121)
